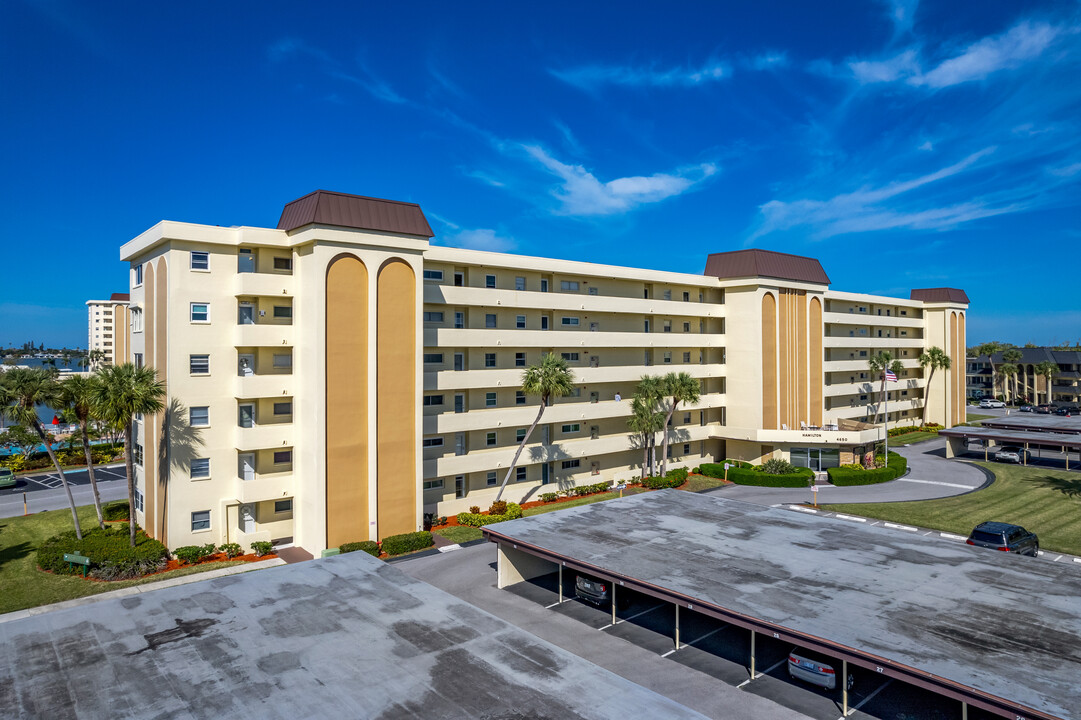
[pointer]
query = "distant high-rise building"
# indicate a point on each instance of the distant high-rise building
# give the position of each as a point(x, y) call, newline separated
point(107, 330)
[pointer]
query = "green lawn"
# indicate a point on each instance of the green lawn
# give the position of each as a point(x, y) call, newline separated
point(911, 438)
point(1047, 502)
point(459, 533)
point(973, 417)
point(25, 586)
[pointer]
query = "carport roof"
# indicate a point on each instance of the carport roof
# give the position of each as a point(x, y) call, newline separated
point(1036, 422)
point(972, 623)
point(1020, 437)
point(347, 636)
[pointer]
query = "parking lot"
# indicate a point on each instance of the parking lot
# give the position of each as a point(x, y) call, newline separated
point(51, 480)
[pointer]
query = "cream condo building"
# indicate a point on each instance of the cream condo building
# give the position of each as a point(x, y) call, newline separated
point(108, 329)
point(332, 379)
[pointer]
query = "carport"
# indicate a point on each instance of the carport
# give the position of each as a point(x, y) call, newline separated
point(957, 439)
point(990, 630)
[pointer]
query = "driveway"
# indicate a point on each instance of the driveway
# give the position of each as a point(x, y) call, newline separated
point(930, 476)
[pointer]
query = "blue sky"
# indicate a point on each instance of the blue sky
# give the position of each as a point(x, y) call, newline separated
point(903, 144)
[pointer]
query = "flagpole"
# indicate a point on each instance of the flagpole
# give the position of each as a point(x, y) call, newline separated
point(886, 421)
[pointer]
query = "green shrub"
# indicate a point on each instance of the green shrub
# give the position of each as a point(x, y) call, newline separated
point(748, 476)
point(659, 483)
point(583, 490)
point(697, 471)
point(369, 546)
point(115, 510)
point(777, 466)
point(851, 466)
point(194, 554)
point(514, 511)
point(232, 550)
point(406, 542)
point(678, 473)
point(855, 475)
point(475, 509)
point(262, 547)
point(499, 507)
point(549, 496)
point(716, 470)
point(111, 556)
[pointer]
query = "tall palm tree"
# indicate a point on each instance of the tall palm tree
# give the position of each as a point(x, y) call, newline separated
point(26, 389)
point(77, 397)
point(96, 357)
point(1013, 356)
point(680, 388)
point(650, 394)
point(1049, 370)
point(1006, 371)
point(878, 364)
point(549, 379)
point(989, 349)
point(122, 392)
point(646, 422)
point(934, 358)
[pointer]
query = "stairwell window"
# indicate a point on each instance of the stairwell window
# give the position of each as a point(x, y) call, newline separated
point(200, 520)
point(199, 416)
point(200, 260)
point(200, 312)
point(199, 364)
point(200, 468)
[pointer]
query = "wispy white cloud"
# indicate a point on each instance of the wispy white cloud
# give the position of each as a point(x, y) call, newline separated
point(902, 14)
point(569, 138)
point(484, 178)
point(767, 61)
point(591, 77)
point(864, 209)
point(1066, 171)
point(288, 48)
point(580, 193)
point(927, 146)
point(1022, 43)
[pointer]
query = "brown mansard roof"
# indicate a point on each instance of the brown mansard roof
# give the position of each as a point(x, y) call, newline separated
point(120, 297)
point(355, 211)
point(940, 295)
point(766, 263)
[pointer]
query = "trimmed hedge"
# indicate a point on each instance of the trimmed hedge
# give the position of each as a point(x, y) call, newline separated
point(407, 542)
point(262, 547)
point(589, 489)
point(673, 479)
point(746, 476)
point(716, 470)
point(111, 556)
point(194, 554)
point(896, 466)
point(514, 511)
point(369, 546)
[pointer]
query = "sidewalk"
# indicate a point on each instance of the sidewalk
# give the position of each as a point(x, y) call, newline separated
point(138, 589)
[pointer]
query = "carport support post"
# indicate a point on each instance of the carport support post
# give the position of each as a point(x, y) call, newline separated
point(613, 603)
point(1025, 458)
point(844, 688)
point(964, 710)
point(677, 626)
point(752, 654)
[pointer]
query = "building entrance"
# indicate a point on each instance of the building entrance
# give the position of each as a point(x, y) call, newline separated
point(818, 459)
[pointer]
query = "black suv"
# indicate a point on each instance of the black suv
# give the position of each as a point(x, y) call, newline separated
point(598, 592)
point(1005, 537)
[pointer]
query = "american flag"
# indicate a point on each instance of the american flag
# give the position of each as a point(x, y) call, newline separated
point(891, 376)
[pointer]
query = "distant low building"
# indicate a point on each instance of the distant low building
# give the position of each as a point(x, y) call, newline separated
point(107, 330)
point(982, 379)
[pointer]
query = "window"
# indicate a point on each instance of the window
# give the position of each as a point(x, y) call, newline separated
point(283, 263)
point(573, 321)
point(519, 397)
point(686, 357)
point(137, 273)
point(519, 283)
point(667, 326)
point(544, 285)
point(519, 434)
point(686, 327)
point(687, 297)
point(489, 281)
point(283, 408)
point(568, 285)
point(571, 428)
point(489, 399)
point(433, 358)
point(200, 312)
point(138, 360)
point(200, 468)
point(576, 392)
point(283, 311)
point(489, 320)
point(594, 291)
point(433, 317)
point(519, 474)
point(432, 400)
point(686, 448)
point(199, 364)
point(200, 520)
point(489, 360)
point(199, 416)
point(490, 439)
point(436, 484)
point(668, 356)
point(433, 442)
point(570, 464)
point(459, 320)
point(283, 457)
point(459, 279)
point(519, 359)
point(138, 501)
point(433, 274)
point(136, 320)
point(282, 361)
point(491, 479)
point(138, 453)
point(200, 260)
point(283, 506)
point(569, 357)
point(519, 322)
point(667, 294)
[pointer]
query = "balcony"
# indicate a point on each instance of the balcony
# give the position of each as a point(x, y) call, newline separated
point(877, 343)
point(265, 487)
point(264, 386)
point(843, 318)
point(512, 377)
point(250, 283)
point(258, 437)
point(568, 302)
point(509, 338)
point(264, 335)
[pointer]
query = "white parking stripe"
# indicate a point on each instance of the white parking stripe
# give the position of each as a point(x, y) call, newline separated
point(867, 699)
point(895, 526)
point(559, 602)
point(692, 642)
point(632, 617)
point(767, 671)
point(849, 517)
point(951, 536)
point(802, 509)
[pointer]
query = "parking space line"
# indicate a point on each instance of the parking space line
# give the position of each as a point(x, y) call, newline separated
point(867, 699)
point(951, 536)
point(632, 617)
point(558, 602)
point(907, 528)
point(767, 671)
point(692, 642)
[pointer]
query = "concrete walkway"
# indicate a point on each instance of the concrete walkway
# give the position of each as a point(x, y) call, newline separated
point(930, 476)
point(139, 589)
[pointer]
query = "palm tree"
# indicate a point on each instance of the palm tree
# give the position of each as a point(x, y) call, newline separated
point(77, 397)
point(989, 349)
point(646, 421)
point(650, 394)
point(1007, 371)
point(879, 364)
point(96, 356)
point(1049, 370)
point(122, 392)
point(1013, 356)
point(26, 389)
point(935, 358)
point(680, 388)
point(549, 379)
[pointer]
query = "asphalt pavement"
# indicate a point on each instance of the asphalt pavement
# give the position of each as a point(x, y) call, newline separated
point(44, 491)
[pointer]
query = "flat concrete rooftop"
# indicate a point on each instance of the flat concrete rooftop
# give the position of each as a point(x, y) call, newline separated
point(1004, 625)
point(344, 637)
point(1037, 422)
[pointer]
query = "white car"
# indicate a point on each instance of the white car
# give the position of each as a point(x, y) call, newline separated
point(1013, 455)
point(815, 668)
point(989, 403)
